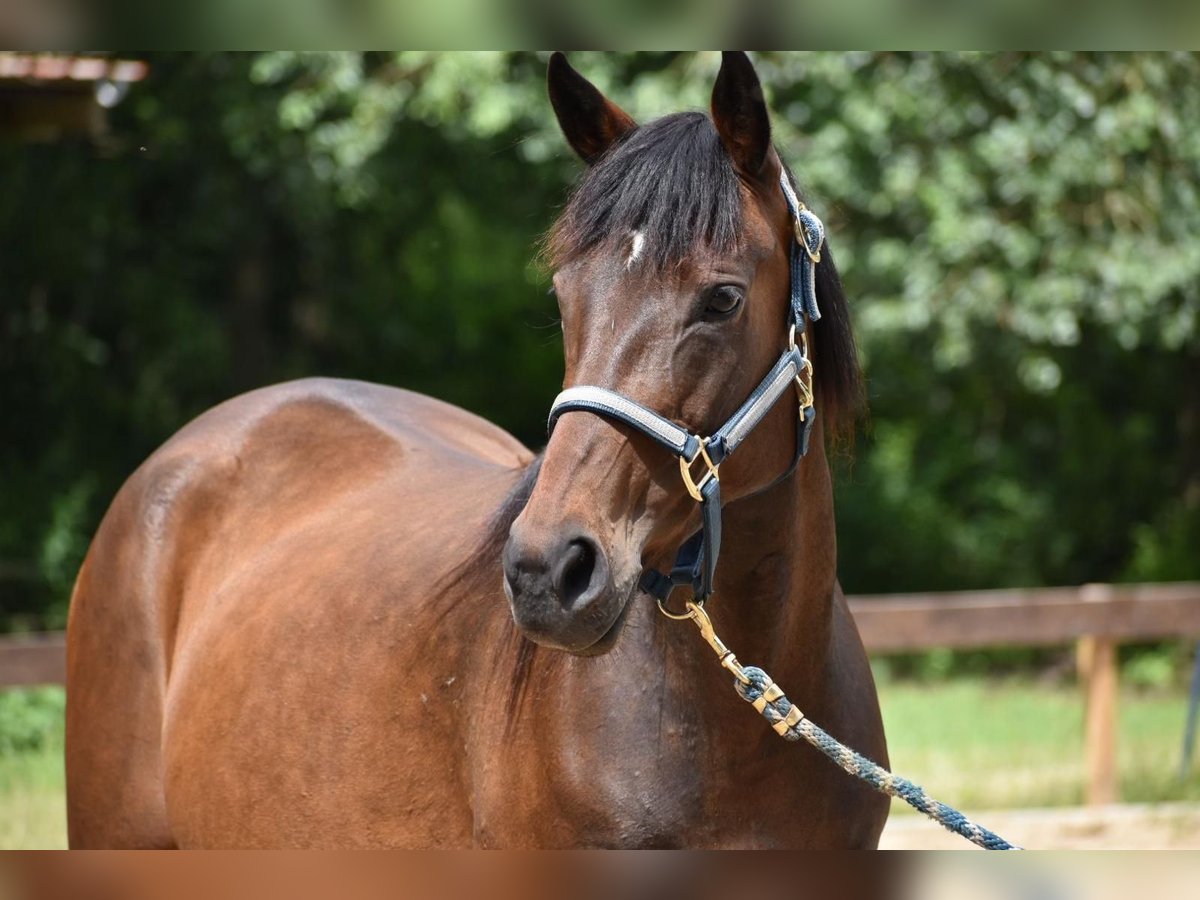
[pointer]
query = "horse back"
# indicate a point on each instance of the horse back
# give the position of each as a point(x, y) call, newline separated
point(287, 519)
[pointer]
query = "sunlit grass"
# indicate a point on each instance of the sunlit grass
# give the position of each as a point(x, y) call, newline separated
point(986, 745)
point(33, 811)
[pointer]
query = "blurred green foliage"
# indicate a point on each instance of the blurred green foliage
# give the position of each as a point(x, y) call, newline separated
point(1017, 234)
point(31, 720)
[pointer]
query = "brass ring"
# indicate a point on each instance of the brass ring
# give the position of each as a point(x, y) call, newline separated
point(803, 341)
point(678, 617)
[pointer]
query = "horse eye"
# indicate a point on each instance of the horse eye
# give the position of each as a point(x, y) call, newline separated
point(723, 301)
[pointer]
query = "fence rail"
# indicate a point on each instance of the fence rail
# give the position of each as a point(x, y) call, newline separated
point(1097, 617)
point(894, 623)
point(31, 659)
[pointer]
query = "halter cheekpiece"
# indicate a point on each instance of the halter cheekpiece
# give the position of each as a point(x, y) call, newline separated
point(701, 457)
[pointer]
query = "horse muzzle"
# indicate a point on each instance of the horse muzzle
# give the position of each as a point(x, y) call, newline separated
point(560, 587)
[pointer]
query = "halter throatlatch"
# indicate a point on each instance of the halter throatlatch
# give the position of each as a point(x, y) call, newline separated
point(700, 458)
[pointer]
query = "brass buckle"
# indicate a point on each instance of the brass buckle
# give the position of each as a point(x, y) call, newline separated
point(685, 469)
point(804, 388)
point(814, 255)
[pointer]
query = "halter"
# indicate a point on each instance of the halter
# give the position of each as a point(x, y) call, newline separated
point(696, 561)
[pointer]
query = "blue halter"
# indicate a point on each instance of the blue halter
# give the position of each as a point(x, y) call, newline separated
point(696, 561)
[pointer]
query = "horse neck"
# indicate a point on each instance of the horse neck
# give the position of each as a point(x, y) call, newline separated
point(778, 571)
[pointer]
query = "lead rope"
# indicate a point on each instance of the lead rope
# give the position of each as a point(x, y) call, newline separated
point(756, 688)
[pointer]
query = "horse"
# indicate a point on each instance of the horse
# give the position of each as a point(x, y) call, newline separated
point(329, 613)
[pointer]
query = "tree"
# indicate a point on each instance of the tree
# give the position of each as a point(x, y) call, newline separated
point(1014, 231)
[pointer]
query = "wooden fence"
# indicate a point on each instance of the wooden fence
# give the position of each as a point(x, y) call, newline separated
point(30, 659)
point(1097, 618)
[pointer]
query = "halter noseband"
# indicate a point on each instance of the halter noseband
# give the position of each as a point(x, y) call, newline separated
point(696, 561)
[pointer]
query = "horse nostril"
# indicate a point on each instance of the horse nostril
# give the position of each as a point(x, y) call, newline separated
point(575, 571)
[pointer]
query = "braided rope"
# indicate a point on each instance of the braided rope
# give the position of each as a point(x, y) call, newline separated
point(791, 725)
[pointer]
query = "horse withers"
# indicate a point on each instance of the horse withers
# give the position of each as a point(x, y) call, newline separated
point(336, 614)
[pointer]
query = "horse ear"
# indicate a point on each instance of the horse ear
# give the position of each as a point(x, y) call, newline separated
point(740, 114)
point(590, 121)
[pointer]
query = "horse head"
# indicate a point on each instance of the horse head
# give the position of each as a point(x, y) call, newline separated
point(672, 275)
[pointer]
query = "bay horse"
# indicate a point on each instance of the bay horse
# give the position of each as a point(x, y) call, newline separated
point(336, 614)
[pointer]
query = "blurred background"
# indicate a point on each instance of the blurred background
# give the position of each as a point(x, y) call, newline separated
point(1017, 234)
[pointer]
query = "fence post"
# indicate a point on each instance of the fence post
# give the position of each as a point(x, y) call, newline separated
point(1097, 658)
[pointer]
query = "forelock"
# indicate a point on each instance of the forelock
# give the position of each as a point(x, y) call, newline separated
point(670, 180)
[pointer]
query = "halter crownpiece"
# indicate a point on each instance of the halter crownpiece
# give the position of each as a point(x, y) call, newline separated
point(696, 562)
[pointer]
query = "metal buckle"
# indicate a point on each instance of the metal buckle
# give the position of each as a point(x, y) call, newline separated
point(798, 228)
point(803, 387)
point(685, 469)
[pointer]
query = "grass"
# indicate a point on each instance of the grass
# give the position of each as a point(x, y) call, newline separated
point(32, 801)
point(979, 744)
point(32, 797)
point(973, 743)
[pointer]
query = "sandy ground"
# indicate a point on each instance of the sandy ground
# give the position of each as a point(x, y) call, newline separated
point(1174, 826)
